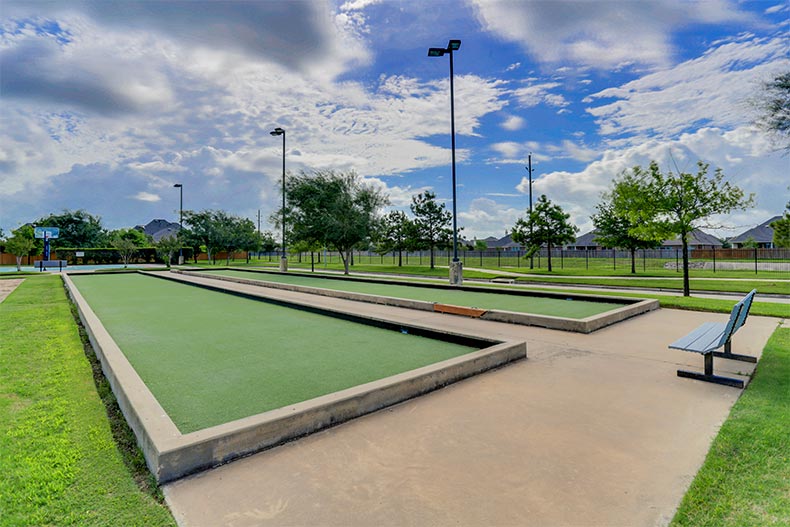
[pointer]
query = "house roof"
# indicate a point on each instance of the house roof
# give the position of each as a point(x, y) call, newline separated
point(587, 240)
point(763, 233)
point(158, 229)
point(696, 237)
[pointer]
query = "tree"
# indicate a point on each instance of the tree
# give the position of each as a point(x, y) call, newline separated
point(781, 229)
point(614, 229)
point(396, 229)
point(216, 230)
point(126, 247)
point(664, 205)
point(166, 247)
point(201, 234)
point(332, 209)
point(21, 244)
point(481, 245)
point(773, 103)
point(77, 229)
point(237, 234)
point(547, 224)
point(432, 223)
point(267, 242)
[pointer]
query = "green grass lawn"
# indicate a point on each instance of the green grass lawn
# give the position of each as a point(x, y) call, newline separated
point(558, 307)
point(745, 480)
point(60, 464)
point(774, 286)
point(210, 357)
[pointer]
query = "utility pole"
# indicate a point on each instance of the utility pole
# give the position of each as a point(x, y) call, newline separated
point(259, 222)
point(529, 170)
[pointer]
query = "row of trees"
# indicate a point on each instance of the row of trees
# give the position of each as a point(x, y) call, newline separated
point(209, 231)
point(339, 211)
point(643, 207)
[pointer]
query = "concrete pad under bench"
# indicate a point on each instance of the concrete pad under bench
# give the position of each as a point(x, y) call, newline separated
point(631, 306)
point(170, 454)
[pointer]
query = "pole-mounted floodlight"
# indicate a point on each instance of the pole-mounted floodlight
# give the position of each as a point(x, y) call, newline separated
point(180, 188)
point(283, 259)
point(453, 45)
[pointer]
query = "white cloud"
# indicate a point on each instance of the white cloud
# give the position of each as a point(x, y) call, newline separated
point(210, 128)
point(486, 217)
point(714, 89)
point(146, 196)
point(514, 66)
point(508, 149)
point(513, 123)
point(602, 34)
point(536, 94)
point(744, 155)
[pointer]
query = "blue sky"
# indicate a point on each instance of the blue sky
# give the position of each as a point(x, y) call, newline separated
point(105, 105)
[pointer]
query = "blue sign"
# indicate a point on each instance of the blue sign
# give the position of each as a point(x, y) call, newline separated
point(47, 233)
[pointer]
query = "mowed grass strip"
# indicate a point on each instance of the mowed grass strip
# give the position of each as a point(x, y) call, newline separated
point(745, 480)
point(556, 307)
point(60, 465)
point(210, 358)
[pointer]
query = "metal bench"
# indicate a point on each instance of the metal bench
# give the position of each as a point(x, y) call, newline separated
point(713, 335)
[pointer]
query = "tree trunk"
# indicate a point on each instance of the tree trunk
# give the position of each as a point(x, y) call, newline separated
point(633, 261)
point(19, 263)
point(400, 257)
point(431, 256)
point(686, 287)
point(345, 257)
point(549, 245)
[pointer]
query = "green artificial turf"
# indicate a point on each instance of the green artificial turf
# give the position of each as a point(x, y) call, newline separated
point(745, 480)
point(60, 465)
point(210, 358)
point(557, 307)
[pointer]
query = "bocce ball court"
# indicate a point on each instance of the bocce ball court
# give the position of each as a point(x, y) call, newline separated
point(205, 376)
point(581, 313)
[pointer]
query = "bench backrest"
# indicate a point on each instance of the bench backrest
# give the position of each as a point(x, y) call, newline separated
point(737, 317)
point(747, 305)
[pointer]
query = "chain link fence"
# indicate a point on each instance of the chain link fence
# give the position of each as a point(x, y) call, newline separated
point(589, 260)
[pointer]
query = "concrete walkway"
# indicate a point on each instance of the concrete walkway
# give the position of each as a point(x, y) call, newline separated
point(589, 430)
point(8, 286)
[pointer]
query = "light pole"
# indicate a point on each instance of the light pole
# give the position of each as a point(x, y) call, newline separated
point(284, 259)
point(456, 267)
point(529, 169)
point(180, 188)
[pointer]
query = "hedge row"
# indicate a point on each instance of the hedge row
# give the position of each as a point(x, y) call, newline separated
point(110, 255)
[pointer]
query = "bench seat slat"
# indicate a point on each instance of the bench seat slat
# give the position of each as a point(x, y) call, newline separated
point(705, 338)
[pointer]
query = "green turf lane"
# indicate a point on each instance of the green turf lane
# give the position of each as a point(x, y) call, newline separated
point(556, 307)
point(210, 357)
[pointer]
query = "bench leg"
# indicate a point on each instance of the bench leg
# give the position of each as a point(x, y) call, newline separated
point(708, 376)
point(728, 354)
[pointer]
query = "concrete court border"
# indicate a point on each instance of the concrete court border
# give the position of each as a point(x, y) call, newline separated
point(633, 307)
point(170, 454)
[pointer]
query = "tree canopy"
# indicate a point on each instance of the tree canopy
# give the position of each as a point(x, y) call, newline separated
point(432, 223)
point(781, 229)
point(615, 229)
point(21, 243)
point(77, 229)
point(396, 234)
point(216, 230)
point(333, 209)
point(547, 224)
point(664, 205)
point(773, 103)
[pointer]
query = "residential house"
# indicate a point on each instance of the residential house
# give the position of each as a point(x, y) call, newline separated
point(762, 235)
point(158, 229)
